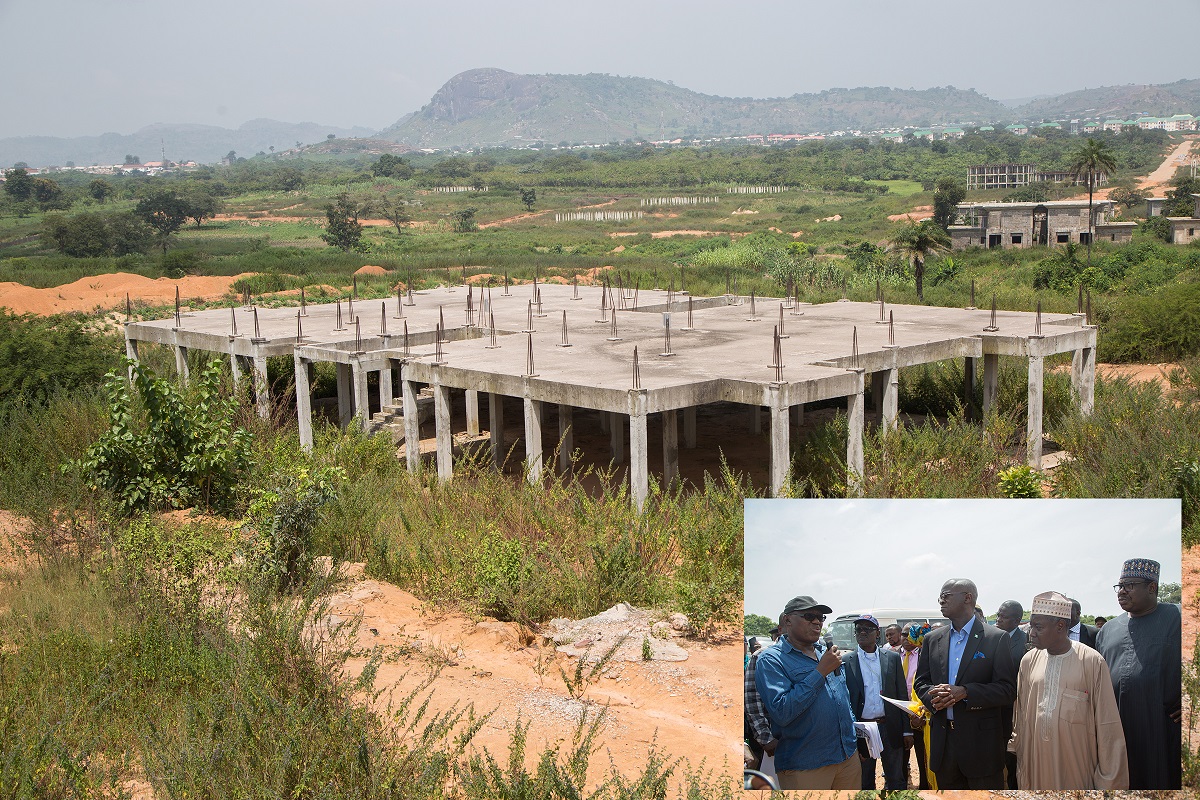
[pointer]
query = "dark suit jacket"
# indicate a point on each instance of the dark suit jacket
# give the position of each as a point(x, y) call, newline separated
point(892, 684)
point(989, 675)
point(1016, 643)
point(1087, 635)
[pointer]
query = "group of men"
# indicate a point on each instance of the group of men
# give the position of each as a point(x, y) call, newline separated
point(1049, 704)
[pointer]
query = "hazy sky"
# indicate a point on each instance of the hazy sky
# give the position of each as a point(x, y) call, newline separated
point(854, 554)
point(84, 67)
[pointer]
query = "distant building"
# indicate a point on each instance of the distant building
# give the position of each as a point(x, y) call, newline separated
point(1006, 225)
point(1186, 229)
point(1014, 176)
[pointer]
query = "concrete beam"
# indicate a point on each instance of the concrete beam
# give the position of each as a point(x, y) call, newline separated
point(472, 401)
point(445, 440)
point(889, 412)
point(496, 427)
point(362, 402)
point(1083, 379)
point(670, 438)
point(1033, 425)
point(991, 381)
point(533, 440)
point(412, 424)
point(856, 416)
point(566, 436)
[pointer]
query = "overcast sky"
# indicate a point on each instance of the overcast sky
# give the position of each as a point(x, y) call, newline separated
point(85, 67)
point(855, 554)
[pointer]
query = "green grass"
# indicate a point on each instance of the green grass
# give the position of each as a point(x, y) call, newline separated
point(900, 188)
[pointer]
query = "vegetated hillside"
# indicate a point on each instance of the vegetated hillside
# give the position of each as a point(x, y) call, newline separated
point(1181, 97)
point(491, 106)
point(201, 143)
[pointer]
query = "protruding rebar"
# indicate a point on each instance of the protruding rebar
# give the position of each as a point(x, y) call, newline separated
point(506, 294)
point(337, 319)
point(780, 331)
point(407, 351)
point(603, 304)
point(682, 288)
point(891, 329)
point(530, 370)
point(470, 311)
point(620, 290)
point(383, 318)
point(854, 347)
point(299, 327)
point(796, 312)
point(575, 287)
point(753, 314)
point(353, 287)
point(972, 306)
point(845, 287)
point(491, 345)
point(777, 356)
point(412, 301)
point(437, 346)
point(178, 321)
point(667, 336)
point(878, 291)
point(612, 333)
point(128, 308)
point(691, 326)
point(257, 332)
point(637, 285)
point(442, 326)
point(528, 317)
point(670, 294)
point(303, 303)
point(358, 348)
point(1079, 302)
point(882, 319)
point(1037, 320)
point(399, 302)
point(991, 326)
point(1087, 309)
point(538, 303)
point(787, 296)
point(637, 370)
point(350, 307)
point(564, 342)
point(232, 320)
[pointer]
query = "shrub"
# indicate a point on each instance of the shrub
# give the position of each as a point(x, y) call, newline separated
point(285, 516)
point(1020, 481)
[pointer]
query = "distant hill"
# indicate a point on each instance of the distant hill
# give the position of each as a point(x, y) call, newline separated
point(491, 106)
point(200, 143)
point(1163, 100)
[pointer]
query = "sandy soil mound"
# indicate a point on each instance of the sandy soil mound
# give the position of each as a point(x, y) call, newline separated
point(108, 292)
point(370, 269)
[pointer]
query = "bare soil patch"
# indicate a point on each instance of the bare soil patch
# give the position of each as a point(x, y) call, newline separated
point(668, 234)
point(108, 292)
point(916, 215)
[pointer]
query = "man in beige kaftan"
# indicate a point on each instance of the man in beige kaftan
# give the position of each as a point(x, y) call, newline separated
point(1066, 726)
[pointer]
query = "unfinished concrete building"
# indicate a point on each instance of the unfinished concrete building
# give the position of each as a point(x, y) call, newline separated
point(656, 355)
point(1027, 224)
point(1185, 230)
point(1014, 176)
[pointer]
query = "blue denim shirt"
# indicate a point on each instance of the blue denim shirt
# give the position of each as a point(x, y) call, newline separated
point(810, 713)
point(958, 645)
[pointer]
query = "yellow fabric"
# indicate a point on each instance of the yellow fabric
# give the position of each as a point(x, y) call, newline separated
point(917, 709)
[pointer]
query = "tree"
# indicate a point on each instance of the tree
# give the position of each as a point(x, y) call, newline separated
point(100, 190)
point(528, 198)
point(1128, 197)
point(1091, 158)
point(464, 220)
point(390, 166)
point(947, 194)
point(916, 241)
point(1170, 593)
point(18, 185)
point(342, 228)
point(131, 160)
point(201, 206)
point(1180, 202)
point(165, 212)
point(49, 195)
point(757, 625)
point(394, 210)
point(80, 236)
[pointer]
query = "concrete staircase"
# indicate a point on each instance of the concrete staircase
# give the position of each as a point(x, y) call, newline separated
point(390, 419)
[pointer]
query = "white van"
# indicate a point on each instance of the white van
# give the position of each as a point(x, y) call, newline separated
point(842, 628)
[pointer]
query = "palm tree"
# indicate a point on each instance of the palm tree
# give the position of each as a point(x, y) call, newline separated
point(1091, 158)
point(916, 241)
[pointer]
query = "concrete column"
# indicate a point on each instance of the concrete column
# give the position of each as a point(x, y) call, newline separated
point(235, 368)
point(991, 381)
point(262, 388)
point(639, 470)
point(781, 454)
point(181, 365)
point(303, 403)
point(496, 426)
point(1033, 427)
point(969, 387)
point(472, 412)
point(670, 438)
point(131, 352)
point(798, 413)
point(533, 440)
point(877, 381)
point(1083, 379)
point(856, 416)
point(617, 438)
point(755, 420)
point(345, 395)
point(412, 425)
point(605, 422)
point(385, 388)
point(362, 404)
point(689, 428)
point(441, 421)
point(566, 436)
point(889, 410)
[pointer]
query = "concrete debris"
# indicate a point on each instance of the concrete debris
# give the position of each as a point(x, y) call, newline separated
point(647, 635)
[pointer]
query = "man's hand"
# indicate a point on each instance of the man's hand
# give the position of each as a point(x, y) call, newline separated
point(769, 747)
point(829, 661)
point(945, 695)
point(908, 742)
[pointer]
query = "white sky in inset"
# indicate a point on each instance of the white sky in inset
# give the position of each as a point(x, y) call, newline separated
point(857, 554)
point(82, 67)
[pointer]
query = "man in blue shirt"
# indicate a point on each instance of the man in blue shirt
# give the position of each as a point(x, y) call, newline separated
point(803, 688)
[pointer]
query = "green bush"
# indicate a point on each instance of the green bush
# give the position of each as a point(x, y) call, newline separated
point(1164, 326)
point(285, 516)
point(1020, 482)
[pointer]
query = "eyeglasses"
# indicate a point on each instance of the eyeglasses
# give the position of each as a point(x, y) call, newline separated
point(814, 617)
point(1117, 587)
point(865, 629)
point(944, 596)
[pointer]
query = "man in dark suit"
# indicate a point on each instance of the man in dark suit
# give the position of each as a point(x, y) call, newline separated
point(871, 674)
point(1008, 619)
point(966, 676)
point(1081, 632)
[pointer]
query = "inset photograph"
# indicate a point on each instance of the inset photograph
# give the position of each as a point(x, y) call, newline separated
point(963, 644)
